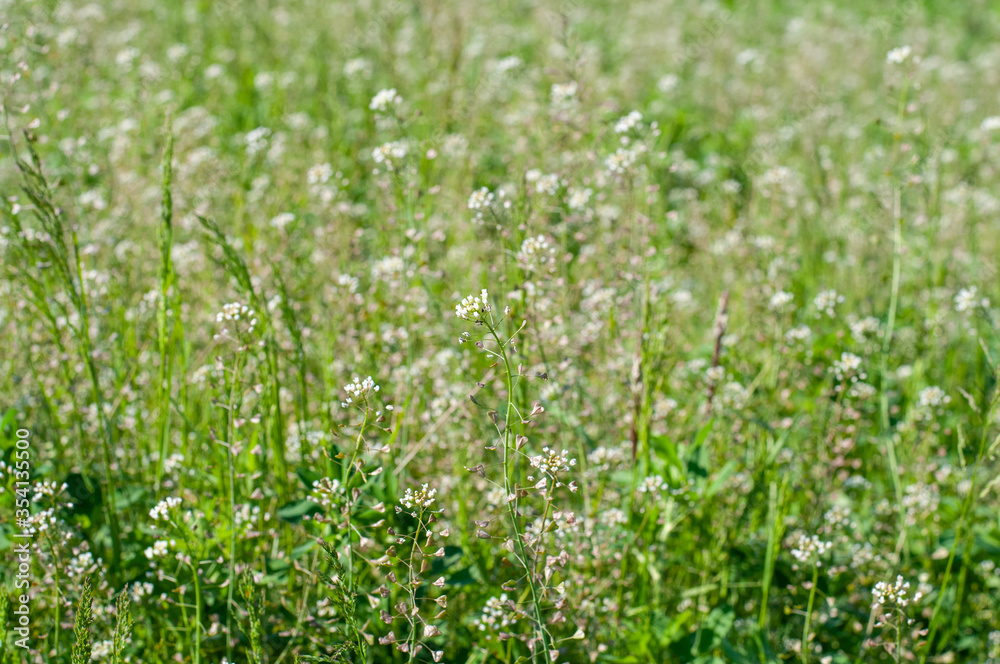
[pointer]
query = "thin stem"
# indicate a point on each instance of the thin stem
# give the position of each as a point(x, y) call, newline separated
point(230, 439)
point(890, 444)
point(111, 510)
point(412, 641)
point(536, 602)
point(348, 475)
point(900, 621)
point(966, 506)
point(197, 595)
point(809, 609)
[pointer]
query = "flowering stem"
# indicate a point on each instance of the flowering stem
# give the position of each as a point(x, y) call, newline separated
point(509, 375)
point(413, 592)
point(230, 441)
point(348, 476)
point(809, 609)
point(197, 594)
point(966, 506)
point(900, 621)
point(56, 604)
point(890, 444)
point(197, 615)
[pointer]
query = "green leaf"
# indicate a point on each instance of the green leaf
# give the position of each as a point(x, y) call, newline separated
point(294, 511)
point(666, 450)
point(720, 479)
point(308, 476)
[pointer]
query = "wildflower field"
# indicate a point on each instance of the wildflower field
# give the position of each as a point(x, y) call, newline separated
point(549, 331)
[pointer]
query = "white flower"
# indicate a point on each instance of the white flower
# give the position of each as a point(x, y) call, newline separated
point(535, 252)
point(472, 306)
point(550, 462)
point(628, 122)
point(653, 484)
point(385, 99)
point(389, 269)
point(101, 650)
point(161, 512)
point(827, 301)
point(359, 389)
point(848, 366)
point(140, 590)
point(781, 300)
point(861, 390)
point(563, 93)
point(159, 549)
point(991, 123)
point(966, 300)
point(933, 397)
point(355, 67)
point(390, 153)
point(547, 185)
point(481, 201)
point(319, 174)
point(327, 491)
point(893, 594)
point(667, 82)
point(620, 162)
point(280, 221)
point(256, 140)
point(422, 497)
point(578, 198)
point(898, 55)
point(504, 65)
point(235, 311)
point(809, 548)
point(800, 333)
point(861, 329)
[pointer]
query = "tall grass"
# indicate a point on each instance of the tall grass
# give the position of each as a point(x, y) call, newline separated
point(725, 388)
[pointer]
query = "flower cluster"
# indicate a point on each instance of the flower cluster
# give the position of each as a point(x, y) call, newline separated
point(389, 269)
point(358, 389)
point(235, 312)
point(473, 306)
point(256, 140)
point(848, 367)
point(319, 174)
point(499, 613)
point(535, 252)
point(49, 489)
point(563, 94)
point(621, 161)
point(808, 549)
point(481, 202)
point(579, 198)
point(327, 491)
point(161, 512)
point(654, 484)
point(551, 462)
point(282, 220)
point(826, 302)
point(968, 300)
point(421, 498)
point(628, 122)
point(159, 549)
point(385, 100)
point(893, 594)
point(898, 55)
point(547, 184)
point(781, 300)
point(390, 154)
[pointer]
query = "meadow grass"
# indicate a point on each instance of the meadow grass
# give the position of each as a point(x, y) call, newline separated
point(499, 333)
